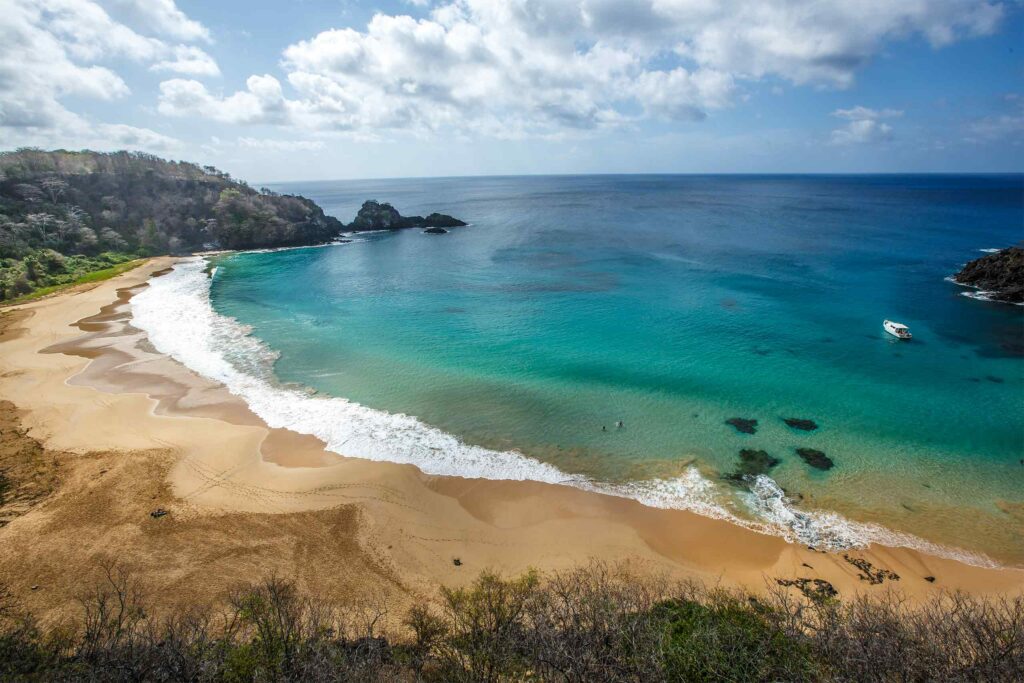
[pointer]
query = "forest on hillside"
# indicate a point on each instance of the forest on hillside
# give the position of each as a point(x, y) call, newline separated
point(63, 212)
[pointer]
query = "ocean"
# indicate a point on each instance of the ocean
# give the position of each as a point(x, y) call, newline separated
point(512, 348)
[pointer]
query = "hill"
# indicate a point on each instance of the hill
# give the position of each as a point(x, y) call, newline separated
point(65, 213)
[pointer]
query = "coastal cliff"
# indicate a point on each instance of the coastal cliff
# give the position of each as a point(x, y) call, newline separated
point(89, 202)
point(1000, 275)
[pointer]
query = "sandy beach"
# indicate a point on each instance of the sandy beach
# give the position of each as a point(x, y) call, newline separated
point(112, 430)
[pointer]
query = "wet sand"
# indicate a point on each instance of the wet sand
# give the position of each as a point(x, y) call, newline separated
point(132, 430)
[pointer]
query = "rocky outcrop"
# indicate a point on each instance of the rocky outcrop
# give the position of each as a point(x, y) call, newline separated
point(435, 231)
point(801, 424)
point(374, 215)
point(1000, 275)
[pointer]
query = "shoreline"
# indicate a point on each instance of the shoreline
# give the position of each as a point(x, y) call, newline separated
point(85, 381)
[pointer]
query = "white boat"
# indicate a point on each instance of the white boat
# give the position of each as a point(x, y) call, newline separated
point(898, 330)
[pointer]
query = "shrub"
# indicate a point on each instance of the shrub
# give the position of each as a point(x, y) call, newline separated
point(596, 623)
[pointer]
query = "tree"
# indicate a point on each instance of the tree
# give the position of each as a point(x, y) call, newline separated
point(87, 240)
point(111, 240)
point(40, 223)
point(149, 237)
point(54, 187)
point(29, 192)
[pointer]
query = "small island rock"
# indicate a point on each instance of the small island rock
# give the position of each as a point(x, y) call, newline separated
point(442, 220)
point(374, 215)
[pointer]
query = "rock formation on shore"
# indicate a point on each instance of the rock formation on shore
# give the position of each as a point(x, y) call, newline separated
point(374, 215)
point(1000, 275)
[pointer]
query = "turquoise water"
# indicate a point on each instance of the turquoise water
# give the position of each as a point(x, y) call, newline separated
point(673, 303)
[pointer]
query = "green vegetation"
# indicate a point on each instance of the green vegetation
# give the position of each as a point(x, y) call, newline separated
point(591, 624)
point(114, 207)
point(46, 271)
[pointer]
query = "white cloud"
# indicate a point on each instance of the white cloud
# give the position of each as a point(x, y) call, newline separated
point(1007, 126)
point(514, 68)
point(674, 94)
point(859, 113)
point(54, 49)
point(999, 127)
point(189, 59)
point(865, 125)
point(282, 145)
point(261, 102)
point(163, 16)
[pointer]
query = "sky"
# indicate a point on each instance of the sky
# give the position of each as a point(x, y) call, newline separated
point(333, 89)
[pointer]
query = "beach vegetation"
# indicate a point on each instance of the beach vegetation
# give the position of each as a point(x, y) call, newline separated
point(595, 623)
point(45, 271)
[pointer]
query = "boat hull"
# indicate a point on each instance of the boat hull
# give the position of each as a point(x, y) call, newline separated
point(898, 331)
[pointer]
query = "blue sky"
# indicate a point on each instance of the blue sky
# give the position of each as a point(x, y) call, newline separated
point(321, 89)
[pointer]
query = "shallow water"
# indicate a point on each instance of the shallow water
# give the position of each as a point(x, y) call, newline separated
point(672, 303)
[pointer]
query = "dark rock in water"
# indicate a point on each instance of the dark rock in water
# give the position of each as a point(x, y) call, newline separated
point(1000, 275)
point(375, 215)
point(435, 231)
point(442, 220)
point(742, 424)
point(798, 423)
point(752, 463)
point(994, 379)
point(815, 458)
point(1012, 348)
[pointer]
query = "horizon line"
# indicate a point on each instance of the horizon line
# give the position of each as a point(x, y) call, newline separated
point(651, 173)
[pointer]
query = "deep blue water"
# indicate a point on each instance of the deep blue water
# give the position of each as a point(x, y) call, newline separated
point(674, 303)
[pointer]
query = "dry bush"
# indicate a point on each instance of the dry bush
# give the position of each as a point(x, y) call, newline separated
point(595, 623)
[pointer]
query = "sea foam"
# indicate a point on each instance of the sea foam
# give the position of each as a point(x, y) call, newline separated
point(176, 313)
